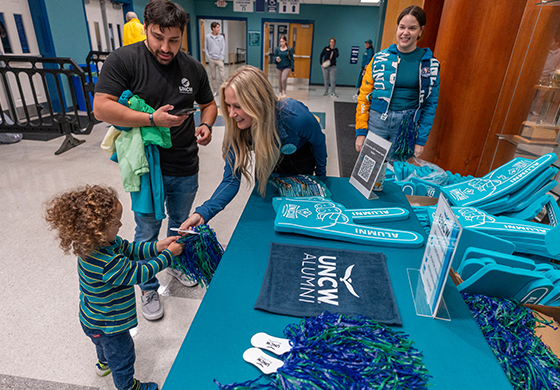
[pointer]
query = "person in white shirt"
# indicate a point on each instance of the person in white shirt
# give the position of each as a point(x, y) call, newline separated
point(215, 48)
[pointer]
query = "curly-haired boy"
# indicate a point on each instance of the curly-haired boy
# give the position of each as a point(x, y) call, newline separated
point(87, 220)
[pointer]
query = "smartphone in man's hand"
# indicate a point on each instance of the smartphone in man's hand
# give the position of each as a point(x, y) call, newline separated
point(183, 111)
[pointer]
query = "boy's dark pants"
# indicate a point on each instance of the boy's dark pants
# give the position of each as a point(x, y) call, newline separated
point(116, 350)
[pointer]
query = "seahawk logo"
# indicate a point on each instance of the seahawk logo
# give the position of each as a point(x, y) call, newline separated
point(348, 280)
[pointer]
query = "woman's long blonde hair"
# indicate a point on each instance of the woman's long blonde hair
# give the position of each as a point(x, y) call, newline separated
point(256, 97)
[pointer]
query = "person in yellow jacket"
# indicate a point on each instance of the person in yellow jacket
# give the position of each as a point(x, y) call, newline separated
point(133, 30)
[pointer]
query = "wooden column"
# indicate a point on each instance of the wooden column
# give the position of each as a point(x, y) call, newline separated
point(474, 45)
point(433, 9)
point(394, 9)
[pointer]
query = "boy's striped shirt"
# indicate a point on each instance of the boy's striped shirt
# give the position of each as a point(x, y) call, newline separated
point(107, 278)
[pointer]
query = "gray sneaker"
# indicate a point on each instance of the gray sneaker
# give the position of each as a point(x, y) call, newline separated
point(151, 306)
point(181, 277)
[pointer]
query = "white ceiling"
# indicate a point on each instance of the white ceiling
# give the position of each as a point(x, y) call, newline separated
point(338, 2)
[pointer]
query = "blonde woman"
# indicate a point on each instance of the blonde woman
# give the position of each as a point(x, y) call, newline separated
point(284, 136)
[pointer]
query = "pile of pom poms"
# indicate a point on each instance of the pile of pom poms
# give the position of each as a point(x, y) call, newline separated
point(201, 255)
point(333, 351)
point(509, 329)
point(299, 185)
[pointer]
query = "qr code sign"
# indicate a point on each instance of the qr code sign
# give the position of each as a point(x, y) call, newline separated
point(366, 168)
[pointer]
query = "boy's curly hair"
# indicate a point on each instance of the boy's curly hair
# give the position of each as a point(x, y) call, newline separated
point(81, 217)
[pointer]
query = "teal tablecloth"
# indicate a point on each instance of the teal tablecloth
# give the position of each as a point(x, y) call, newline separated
point(455, 352)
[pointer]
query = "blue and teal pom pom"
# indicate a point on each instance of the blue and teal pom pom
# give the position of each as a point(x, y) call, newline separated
point(201, 255)
point(509, 327)
point(333, 351)
point(403, 148)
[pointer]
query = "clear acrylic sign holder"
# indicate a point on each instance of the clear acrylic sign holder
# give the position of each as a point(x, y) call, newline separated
point(427, 283)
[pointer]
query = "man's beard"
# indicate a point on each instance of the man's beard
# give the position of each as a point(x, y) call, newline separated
point(157, 52)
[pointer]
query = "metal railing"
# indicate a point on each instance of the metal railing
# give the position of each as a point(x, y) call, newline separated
point(240, 55)
point(94, 63)
point(44, 95)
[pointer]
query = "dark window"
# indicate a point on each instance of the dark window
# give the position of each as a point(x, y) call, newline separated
point(120, 34)
point(21, 33)
point(5, 39)
point(97, 35)
point(111, 36)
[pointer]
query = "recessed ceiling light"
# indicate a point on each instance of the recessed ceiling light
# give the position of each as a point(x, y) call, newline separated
point(370, 1)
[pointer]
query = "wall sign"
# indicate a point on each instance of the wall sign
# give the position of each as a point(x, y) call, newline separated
point(260, 5)
point(354, 54)
point(254, 38)
point(272, 6)
point(242, 5)
point(289, 6)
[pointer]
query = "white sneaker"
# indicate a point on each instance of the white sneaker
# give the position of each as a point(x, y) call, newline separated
point(181, 277)
point(151, 306)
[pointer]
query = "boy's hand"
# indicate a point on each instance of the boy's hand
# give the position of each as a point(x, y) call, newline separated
point(164, 244)
point(176, 248)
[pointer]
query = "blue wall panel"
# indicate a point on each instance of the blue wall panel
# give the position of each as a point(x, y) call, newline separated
point(68, 27)
point(350, 25)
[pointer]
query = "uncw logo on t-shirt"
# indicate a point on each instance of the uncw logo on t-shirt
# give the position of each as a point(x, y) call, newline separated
point(185, 86)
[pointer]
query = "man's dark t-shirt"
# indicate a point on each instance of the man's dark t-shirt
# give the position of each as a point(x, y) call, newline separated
point(180, 83)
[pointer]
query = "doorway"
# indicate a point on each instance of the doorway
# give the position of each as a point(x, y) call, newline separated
point(235, 36)
point(300, 39)
point(109, 37)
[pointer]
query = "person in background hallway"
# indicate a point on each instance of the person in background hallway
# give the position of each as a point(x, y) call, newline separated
point(215, 48)
point(328, 63)
point(284, 57)
point(366, 58)
point(284, 136)
point(165, 77)
point(133, 30)
point(87, 221)
point(401, 110)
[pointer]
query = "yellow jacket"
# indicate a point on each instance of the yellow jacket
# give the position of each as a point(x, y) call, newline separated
point(362, 109)
point(133, 31)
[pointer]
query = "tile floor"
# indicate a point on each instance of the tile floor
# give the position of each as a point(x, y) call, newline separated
point(41, 343)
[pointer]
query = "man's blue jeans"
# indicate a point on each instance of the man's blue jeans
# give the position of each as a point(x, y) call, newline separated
point(179, 197)
point(116, 350)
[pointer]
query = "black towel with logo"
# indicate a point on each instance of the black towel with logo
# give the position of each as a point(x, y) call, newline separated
point(304, 281)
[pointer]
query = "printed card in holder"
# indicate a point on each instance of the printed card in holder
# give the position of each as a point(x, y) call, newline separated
point(427, 283)
point(369, 164)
